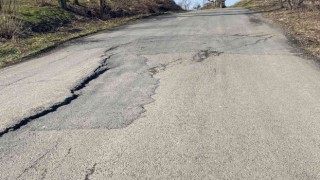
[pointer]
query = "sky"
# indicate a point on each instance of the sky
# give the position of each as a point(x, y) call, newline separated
point(228, 2)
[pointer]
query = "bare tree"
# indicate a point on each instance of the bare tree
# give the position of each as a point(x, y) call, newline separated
point(103, 8)
point(185, 4)
point(290, 4)
point(204, 2)
point(197, 6)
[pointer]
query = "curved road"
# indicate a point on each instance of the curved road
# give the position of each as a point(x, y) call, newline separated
point(214, 94)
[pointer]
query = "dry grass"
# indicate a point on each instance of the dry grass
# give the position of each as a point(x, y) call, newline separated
point(8, 6)
point(9, 27)
point(302, 25)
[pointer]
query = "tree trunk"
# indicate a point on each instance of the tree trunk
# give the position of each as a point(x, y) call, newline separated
point(102, 7)
point(223, 4)
point(63, 4)
point(281, 4)
point(290, 4)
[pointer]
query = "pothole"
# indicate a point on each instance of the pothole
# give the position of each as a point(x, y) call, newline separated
point(205, 54)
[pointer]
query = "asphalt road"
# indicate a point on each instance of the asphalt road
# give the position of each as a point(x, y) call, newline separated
point(202, 95)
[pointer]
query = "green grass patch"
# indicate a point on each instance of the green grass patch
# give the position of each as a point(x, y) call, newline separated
point(7, 50)
point(44, 19)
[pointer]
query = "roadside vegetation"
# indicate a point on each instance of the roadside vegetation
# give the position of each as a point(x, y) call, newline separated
point(28, 27)
point(212, 4)
point(300, 19)
point(201, 5)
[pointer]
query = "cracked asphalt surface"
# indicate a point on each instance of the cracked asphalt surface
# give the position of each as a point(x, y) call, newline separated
point(213, 94)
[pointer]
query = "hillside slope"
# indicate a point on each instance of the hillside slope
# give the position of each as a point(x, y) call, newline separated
point(32, 26)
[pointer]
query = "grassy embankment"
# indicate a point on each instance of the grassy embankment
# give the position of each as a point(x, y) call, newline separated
point(42, 24)
point(302, 24)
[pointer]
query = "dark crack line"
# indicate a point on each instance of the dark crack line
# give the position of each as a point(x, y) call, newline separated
point(260, 40)
point(51, 109)
point(251, 35)
point(33, 165)
point(248, 44)
point(62, 160)
point(256, 42)
point(170, 63)
point(96, 73)
point(74, 95)
point(106, 51)
point(205, 54)
point(90, 171)
point(116, 47)
point(163, 67)
point(264, 37)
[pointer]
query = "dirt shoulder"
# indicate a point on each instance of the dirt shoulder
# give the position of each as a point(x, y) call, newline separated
point(302, 25)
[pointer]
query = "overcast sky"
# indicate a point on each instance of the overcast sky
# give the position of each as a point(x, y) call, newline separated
point(228, 2)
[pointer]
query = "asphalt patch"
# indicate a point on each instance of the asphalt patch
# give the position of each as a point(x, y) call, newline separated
point(205, 54)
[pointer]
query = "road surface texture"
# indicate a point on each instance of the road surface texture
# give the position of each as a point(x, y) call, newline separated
point(213, 94)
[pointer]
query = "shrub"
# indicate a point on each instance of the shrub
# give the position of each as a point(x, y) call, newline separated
point(9, 27)
point(8, 6)
point(132, 7)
